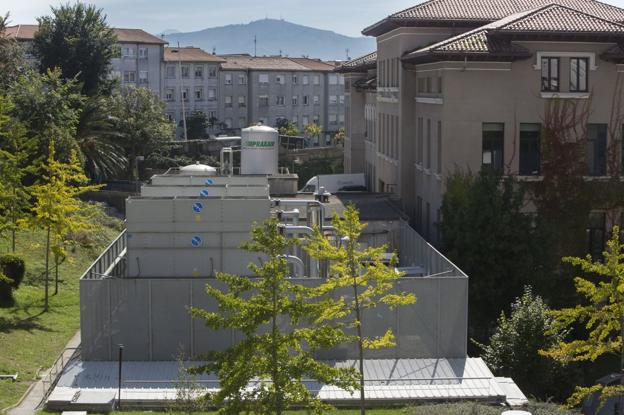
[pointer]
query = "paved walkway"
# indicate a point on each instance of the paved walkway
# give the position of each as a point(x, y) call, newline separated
point(32, 398)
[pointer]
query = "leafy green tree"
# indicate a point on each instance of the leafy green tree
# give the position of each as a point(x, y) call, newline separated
point(138, 117)
point(513, 350)
point(362, 271)
point(600, 317)
point(49, 109)
point(196, 126)
point(57, 209)
point(15, 150)
point(279, 323)
point(340, 135)
point(12, 60)
point(486, 233)
point(286, 127)
point(77, 39)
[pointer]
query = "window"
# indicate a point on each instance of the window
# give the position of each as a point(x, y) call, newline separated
point(295, 79)
point(127, 52)
point(263, 78)
point(228, 79)
point(341, 118)
point(596, 156)
point(242, 79)
point(242, 122)
point(550, 74)
point(305, 120)
point(279, 100)
point(199, 72)
point(439, 158)
point(185, 93)
point(341, 80)
point(333, 99)
point(578, 74)
point(170, 117)
point(142, 53)
point(280, 79)
point(306, 100)
point(295, 120)
point(530, 149)
point(212, 94)
point(316, 100)
point(171, 72)
point(492, 146)
point(439, 84)
point(199, 93)
point(170, 94)
point(315, 118)
point(342, 101)
point(333, 79)
point(333, 119)
point(305, 80)
point(242, 102)
point(316, 79)
point(143, 77)
point(263, 100)
point(228, 102)
point(421, 85)
point(185, 72)
point(129, 76)
point(228, 123)
point(428, 81)
point(596, 234)
point(295, 100)
point(428, 165)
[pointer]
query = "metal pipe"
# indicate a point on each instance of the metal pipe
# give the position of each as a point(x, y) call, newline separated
point(289, 214)
point(307, 203)
point(295, 229)
point(297, 263)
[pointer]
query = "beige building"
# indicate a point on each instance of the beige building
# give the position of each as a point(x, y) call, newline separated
point(462, 84)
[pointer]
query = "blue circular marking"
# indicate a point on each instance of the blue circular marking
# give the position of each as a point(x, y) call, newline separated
point(197, 241)
point(209, 181)
point(203, 193)
point(198, 207)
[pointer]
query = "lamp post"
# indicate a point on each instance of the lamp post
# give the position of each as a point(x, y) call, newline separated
point(119, 380)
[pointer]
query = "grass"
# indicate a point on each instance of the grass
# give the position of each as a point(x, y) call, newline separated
point(29, 339)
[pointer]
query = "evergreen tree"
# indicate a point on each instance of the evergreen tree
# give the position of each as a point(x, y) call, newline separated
point(362, 272)
point(77, 39)
point(57, 209)
point(600, 318)
point(280, 322)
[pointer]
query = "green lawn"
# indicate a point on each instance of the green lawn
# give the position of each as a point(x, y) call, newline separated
point(29, 339)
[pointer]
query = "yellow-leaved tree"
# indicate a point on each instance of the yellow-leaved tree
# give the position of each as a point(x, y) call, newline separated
point(363, 276)
point(57, 209)
point(601, 316)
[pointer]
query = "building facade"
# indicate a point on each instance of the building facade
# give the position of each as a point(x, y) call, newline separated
point(270, 89)
point(190, 84)
point(462, 86)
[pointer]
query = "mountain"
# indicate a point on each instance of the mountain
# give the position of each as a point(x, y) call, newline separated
point(275, 36)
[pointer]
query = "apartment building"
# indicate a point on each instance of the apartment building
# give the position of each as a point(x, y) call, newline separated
point(137, 61)
point(190, 84)
point(269, 89)
point(464, 84)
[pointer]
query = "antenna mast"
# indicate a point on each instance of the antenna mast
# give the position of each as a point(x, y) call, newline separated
point(255, 46)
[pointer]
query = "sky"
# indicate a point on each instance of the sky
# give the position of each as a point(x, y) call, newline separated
point(347, 17)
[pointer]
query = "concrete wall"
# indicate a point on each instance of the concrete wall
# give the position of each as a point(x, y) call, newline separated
point(150, 318)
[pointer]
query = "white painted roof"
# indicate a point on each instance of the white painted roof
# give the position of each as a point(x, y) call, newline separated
point(392, 380)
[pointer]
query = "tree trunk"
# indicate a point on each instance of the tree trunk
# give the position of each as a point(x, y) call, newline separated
point(277, 387)
point(13, 239)
point(56, 279)
point(47, 270)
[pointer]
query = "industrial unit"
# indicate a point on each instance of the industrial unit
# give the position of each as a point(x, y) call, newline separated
point(188, 225)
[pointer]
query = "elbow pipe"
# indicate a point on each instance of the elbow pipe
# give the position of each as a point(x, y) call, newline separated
point(297, 264)
point(307, 203)
point(289, 214)
point(291, 230)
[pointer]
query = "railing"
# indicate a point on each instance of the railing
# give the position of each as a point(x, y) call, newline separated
point(111, 262)
point(51, 378)
point(414, 250)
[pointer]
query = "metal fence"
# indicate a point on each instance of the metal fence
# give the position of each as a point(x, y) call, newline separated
point(111, 263)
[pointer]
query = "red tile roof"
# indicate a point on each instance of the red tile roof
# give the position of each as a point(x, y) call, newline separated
point(27, 32)
point(471, 12)
point(190, 54)
point(274, 63)
point(494, 39)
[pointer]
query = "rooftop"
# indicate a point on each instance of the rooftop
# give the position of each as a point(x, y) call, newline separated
point(478, 12)
point(27, 32)
point(361, 64)
point(494, 39)
point(190, 54)
point(274, 63)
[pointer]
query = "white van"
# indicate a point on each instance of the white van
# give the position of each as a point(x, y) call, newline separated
point(334, 183)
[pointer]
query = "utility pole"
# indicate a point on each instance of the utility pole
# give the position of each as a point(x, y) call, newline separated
point(181, 93)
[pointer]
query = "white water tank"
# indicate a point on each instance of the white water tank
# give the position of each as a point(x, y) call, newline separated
point(259, 150)
point(197, 170)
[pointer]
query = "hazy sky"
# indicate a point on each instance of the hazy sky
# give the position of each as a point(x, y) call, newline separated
point(343, 16)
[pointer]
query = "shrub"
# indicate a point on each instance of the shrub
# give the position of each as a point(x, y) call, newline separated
point(13, 268)
point(6, 290)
